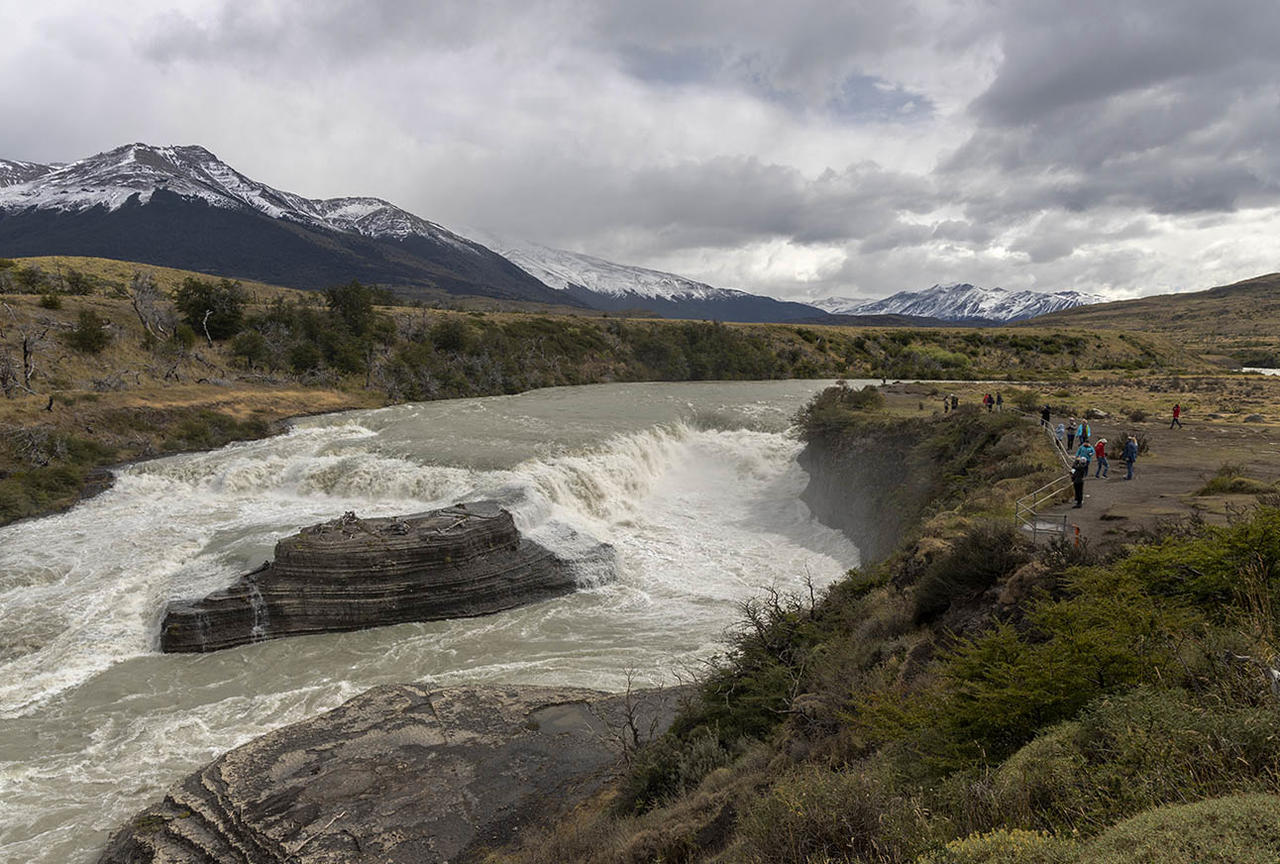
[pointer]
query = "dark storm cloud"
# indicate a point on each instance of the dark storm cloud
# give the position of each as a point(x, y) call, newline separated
point(1166, 107)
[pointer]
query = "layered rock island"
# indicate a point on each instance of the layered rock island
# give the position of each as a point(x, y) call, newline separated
point(353, 573)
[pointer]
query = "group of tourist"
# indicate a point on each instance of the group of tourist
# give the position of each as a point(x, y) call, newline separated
point(1094, 453)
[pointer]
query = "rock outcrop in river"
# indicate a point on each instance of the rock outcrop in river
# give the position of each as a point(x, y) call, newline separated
point(400, 773)
point(354, 573)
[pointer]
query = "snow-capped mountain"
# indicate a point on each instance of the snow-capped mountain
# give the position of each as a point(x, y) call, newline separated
point(184, 207)
point(614, 287)
point(112, 178)
point(962, 302)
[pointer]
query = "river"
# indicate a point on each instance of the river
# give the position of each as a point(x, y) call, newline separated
point(695, 486)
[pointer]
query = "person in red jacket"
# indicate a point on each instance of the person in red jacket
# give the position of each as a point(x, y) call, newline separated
point(1177, 412)
point(1100, 452)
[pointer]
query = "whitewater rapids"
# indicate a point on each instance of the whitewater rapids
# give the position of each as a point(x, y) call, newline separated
point(695, 486)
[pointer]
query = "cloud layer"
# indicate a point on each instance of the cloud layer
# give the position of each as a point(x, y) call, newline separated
point(806, 149)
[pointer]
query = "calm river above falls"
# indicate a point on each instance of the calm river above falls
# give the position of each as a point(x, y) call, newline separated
point(695, 486)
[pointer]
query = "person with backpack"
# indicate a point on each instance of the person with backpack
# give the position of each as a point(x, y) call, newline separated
point(1071, 432)
point(1044, 416)
point(1079, 471)
point(1130, 455)
point(1177, 412)
point(1100, 453)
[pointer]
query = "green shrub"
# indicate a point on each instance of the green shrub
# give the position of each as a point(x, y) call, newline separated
point(1230, 480)
point(50, 301)
point(816, 814)
point(90, 335)
point(1004, 846)
point(250, 346)
point(1135, 751)
point(1242, 829)
point(670, 767)
point(183, 336)
point(216, 308)
point(988, 552)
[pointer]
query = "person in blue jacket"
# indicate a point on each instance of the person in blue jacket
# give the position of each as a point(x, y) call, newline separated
point(1130, 455)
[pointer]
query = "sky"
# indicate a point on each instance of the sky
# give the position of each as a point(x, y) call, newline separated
point(805, 149)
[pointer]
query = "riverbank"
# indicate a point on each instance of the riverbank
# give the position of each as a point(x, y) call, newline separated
point(972, 698)
point(143, 385)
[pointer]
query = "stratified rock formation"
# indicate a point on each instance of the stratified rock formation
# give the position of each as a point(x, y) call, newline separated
point(398, 775)
point(354, 573)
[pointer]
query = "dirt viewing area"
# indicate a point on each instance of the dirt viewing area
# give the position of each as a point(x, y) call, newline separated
point(1217, 463)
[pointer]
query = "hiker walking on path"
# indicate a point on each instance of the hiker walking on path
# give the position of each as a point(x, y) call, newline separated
point(1071, 432)
point(1084, 432)
point(1044, 416)
point(988, 401)
point(999, 401)
point(1177, 412)
point(1130, 455)
point(1061, 434)
point(1100, 452)
point(1079, 471)
point(955, 401)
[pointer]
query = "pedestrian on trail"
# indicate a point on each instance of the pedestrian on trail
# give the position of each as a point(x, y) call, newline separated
point(1071, 432)
point(1044, 416)
point(1082, 432)
point(1061, 434)
point(1079, 471)
point(1130, 455)
point(1177, 412)
point(946, 404)
point(999, 401)
point(955, 401)
point(1100, 453)
point(989, 402)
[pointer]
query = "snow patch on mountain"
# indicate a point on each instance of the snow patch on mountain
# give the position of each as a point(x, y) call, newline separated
point(13, 171)
point(562, 270)
point(963, 301)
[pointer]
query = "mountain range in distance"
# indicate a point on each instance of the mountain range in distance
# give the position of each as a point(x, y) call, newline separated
point(963, 302)
point(183, 207)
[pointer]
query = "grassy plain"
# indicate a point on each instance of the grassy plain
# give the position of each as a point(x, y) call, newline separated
point(1239, 322)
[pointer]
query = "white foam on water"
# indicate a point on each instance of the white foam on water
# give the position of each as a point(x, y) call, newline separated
point(698, 515)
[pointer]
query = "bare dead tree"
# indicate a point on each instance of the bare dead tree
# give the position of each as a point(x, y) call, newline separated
point(204, 323)
point(29, 341)
point(146, 298)
point(8, 375)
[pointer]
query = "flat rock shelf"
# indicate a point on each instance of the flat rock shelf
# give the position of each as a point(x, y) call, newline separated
point(352, 573)
point(405, 774)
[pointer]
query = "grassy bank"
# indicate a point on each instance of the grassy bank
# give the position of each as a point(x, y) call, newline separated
point(972, 698)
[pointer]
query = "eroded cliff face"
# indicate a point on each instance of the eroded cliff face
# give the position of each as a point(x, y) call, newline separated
point(872, 481)
point(404, 774)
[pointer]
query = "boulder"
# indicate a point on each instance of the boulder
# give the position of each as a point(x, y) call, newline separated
point(401, 774)
point(1255, 418)
point(352, 573)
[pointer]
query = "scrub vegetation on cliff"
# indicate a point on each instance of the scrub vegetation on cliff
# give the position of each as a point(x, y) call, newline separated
point(104, 361)
point(973, 698)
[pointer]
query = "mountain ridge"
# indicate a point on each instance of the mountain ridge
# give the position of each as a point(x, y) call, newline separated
point(963, 301)
point(183, 207)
